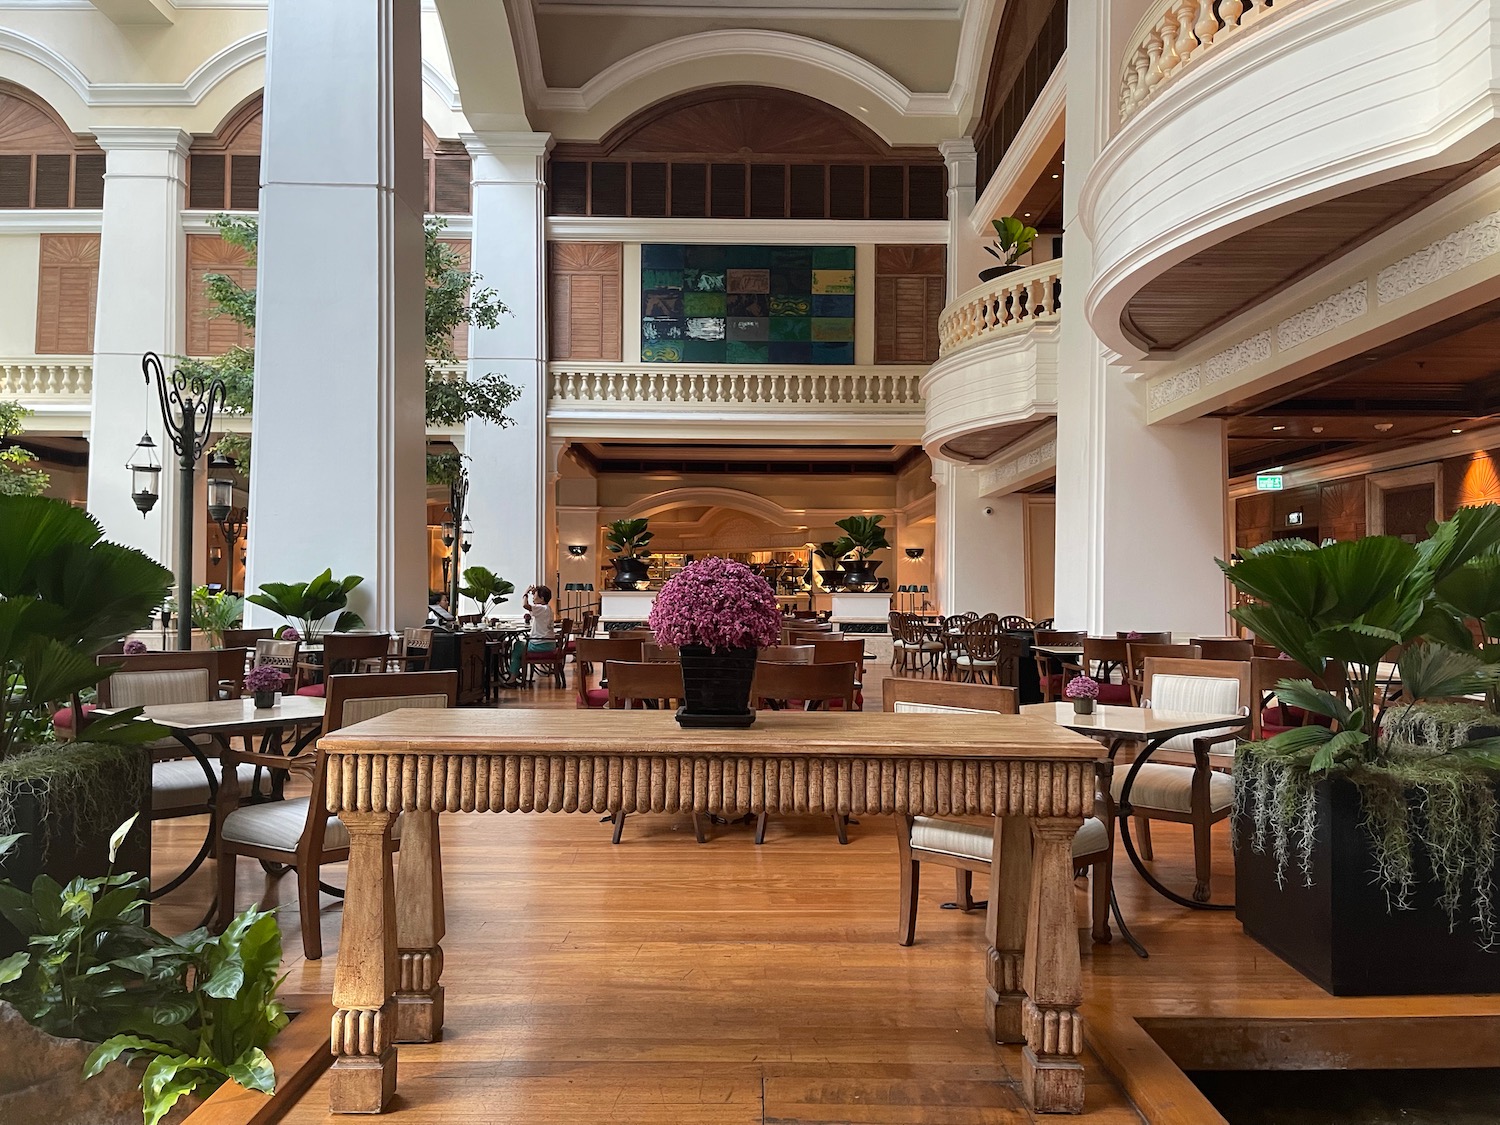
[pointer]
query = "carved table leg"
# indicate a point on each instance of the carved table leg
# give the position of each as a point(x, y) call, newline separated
point(1005, 928)
point(1051, 1073)
point(419, 929)
point(363, 1078)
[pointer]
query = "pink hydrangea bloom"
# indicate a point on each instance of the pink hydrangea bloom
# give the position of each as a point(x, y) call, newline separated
point(264, 678)
point(290, 634)
point(718, 604)
point(1082, 687)
point(134, 648)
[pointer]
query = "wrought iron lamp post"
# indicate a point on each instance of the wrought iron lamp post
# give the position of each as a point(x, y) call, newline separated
point(459, 535)
point(231, 520)
point(187, 413)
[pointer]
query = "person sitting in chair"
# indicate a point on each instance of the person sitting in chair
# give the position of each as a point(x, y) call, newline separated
point(438, 613)
point(541, 638)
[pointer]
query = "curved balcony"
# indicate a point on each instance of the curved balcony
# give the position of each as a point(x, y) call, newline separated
point(1256, 149)
point(996, 378)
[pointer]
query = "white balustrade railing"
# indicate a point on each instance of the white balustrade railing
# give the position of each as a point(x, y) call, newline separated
point(61, 378)
point(1009, 303)
point(1182, 32)
point(734, 387)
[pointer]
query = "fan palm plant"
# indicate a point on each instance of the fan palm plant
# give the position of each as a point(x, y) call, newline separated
point(309, 604)
point(484, 586)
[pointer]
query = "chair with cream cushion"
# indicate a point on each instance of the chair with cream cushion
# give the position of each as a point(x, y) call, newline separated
point(966, 846)
point(297, 832)
point(1198, 794)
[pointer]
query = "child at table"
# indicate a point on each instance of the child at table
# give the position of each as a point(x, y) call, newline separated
point(541, 637)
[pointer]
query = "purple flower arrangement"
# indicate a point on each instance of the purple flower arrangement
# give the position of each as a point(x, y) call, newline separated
point(290, 634)
point(134, 648)
point(1082, 687)
point(718, 604)
point(264, 678)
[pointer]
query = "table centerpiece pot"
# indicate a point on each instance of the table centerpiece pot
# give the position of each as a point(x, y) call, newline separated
point(263, 683)
point(718, 614)
point(1084, 692)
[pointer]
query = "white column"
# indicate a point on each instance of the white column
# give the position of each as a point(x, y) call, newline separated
point(962, 164)
point(980, 546)
point(142, 257)
point(1140, 510)
point(339, 439)
point(508, 470)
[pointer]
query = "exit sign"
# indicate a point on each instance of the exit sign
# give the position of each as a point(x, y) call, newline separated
point(1268, 482)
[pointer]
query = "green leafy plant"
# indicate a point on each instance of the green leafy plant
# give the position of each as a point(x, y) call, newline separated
point(215, 612)
point(19, 475)
point(864, 534)
point(65, 596)
point(834, 549)
point(484, 586)
point(628, 538)
point(308, 604)
point(1012, 239)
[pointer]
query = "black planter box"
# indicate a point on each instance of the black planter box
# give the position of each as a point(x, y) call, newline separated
point(1339, 932)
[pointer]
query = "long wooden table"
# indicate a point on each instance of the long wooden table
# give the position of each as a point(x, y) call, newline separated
point(1034, 777)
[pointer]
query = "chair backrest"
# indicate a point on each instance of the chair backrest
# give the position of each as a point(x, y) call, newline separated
point(980, 638)
point(276, 654)
point(245, 638)
point(838, 651)
point(789, 654)
point(1044, 623)
point(633, 635)
point(590, 623)
point(1059, 637)
point(1266, 672)
point(343, 652)
point(1138, 653)
point(814, 684)
point(564, 627)
point(1217, 687)
point(1164, 638)
point(1101, 653)
point(420, 639)
point(154, 679)
point(653, 653)
point(596, 650)
point(901, 695)
point(1015, 624)
point(1265, 652)
point(1216, 648)
point(631, 682)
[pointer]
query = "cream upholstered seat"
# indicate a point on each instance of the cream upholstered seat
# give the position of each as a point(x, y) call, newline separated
point(974, 841)
point(280, 824)
point(181, 783)
point(1162, 786)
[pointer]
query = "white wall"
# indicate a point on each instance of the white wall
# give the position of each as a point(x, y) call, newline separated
point(20, 255)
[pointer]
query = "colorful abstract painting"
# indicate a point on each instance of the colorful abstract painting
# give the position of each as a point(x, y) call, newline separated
point(747, 304)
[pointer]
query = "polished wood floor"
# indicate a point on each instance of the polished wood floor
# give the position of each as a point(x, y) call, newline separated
point(666, 982)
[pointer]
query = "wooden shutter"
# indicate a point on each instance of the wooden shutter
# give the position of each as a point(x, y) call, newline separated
point(67, 292)
point(909, 296)
point(209, 335)
point(461, 247)
point(585, 300)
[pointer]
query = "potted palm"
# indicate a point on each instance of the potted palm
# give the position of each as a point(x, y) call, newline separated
point(1012, 239)
point(627, 540)
point(215, 612)
point(865, 536)
point(309, 604)
point(483, 585)
point(831, 552)
point(1366, 840)
point(719, 614)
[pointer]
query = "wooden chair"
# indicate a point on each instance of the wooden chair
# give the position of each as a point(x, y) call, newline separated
point(245, 638)
point(1052, 682)
point(1199, 794)
point(601, 650)
point(633, 635)
point(343, 654)
point(553, 663)
point(415, 650)
point(590, 624)
point(967, 847)
point(1145, 638)
point(653, 653)
point(912, 646)
point(1217, 648)
point(789, 654)
point(1268, 715)
point(1135, 661)
point(844, 651)
point(805, 687)
point(983, 650)
point(1015, 624)
point(648, 684)
point(281, 655)
point(1102, 656)
point(299, 833)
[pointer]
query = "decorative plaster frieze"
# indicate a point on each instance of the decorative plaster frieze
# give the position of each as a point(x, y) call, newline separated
point(1463, 248)
point(1234, 359)
point(997, 476)
point(1177, 386)
point(1332, 311)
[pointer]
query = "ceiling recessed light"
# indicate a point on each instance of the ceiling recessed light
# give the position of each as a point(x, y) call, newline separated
point(1278, 428)
point(1056, 175)
point(1027, 215)
point(1317, 429)
point(1458, 431)
point(1384, 427)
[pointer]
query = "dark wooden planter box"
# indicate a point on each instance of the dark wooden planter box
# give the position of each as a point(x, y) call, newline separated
point(1339, 932)
point(72, 854)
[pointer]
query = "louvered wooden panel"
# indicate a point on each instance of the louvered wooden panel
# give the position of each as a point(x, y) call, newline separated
point(768, 191)
point(809, 191)
point(244, 182)
point(887, 192)
point(648, 190)
point(452, 177)
point(926, 192)
point(88, 179)
point(464, 250)
point(206, 186)
point(568, 184)
point(607, 195)
point(909, 296)
point(213, 335)
point(689, 191)
point(15, 181)
point(929, 261)
point(846, 191)
point(585, 300)
point(67, 292)
point(727, 191)
point(53, 173)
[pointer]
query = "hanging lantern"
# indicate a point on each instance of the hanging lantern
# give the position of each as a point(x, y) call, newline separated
point(448, 533)
point(220, 498)
point(466, 534)
point(145, 475)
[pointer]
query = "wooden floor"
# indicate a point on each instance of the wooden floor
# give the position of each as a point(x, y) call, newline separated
point(666, 982)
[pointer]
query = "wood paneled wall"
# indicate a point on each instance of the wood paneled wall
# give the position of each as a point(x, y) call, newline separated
point(586, 283)
point(909, 296)
point(67, 292)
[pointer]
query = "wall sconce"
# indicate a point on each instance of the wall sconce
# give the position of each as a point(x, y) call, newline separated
point(578, 550)
point(915, 553)
point(215, 556)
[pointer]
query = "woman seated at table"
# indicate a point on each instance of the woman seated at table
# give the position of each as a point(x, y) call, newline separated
point(541, 638)
point(438, 612)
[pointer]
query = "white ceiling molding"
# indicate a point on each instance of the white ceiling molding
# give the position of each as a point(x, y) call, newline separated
point(79, 221)
point(1010, 175)
point(757, 232)
point(765, 9)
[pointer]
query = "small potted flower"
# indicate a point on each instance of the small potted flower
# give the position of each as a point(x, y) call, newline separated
point(135, 648)
point(719, 615)
point(290, 634)
point(1084, 692)
point(264, 682)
